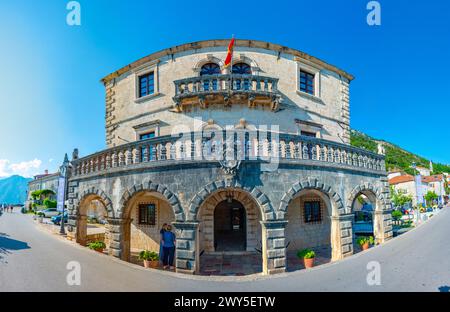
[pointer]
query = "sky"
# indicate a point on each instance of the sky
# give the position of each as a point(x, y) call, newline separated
point(52, 101)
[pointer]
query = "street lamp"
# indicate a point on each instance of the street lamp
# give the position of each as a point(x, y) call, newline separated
point(62, 191)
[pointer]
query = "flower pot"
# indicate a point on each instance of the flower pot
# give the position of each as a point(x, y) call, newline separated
point(309, 263)
point(151, 264)
point(365, 246)
point(100, 250)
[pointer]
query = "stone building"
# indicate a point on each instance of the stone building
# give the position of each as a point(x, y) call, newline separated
point(253, 160)
point(45, 181)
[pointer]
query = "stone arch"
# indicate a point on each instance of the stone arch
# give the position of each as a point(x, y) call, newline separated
point(370, 191)
point(241, 58)
point(265, 206)
point(87, 197)
point(208, 59)
point(150, 186)
point(311, 184)
point(93, 191)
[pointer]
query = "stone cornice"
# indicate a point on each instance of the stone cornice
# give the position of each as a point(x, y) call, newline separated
point(224, 43)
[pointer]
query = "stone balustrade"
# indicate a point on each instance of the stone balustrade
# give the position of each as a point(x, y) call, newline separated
point(236, 145)
point(224, 88)
point(219, 83)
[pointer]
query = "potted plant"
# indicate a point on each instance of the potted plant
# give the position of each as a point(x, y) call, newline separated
point(365, 241)
point(97, 246)
point(150, 258)
point(308, 257)
point(40, 216)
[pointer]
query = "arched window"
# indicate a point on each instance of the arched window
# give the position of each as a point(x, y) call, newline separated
point(242, 69)
point(210, 69)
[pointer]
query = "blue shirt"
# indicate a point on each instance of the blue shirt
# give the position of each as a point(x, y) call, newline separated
point(168, 239)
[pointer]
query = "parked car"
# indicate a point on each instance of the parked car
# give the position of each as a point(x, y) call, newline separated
point(48, 213)
point(57, 219)
point(429, 209)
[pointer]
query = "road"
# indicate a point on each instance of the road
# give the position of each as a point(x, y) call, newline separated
point(34, 260)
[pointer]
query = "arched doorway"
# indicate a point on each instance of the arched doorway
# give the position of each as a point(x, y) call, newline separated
point(309, 227)
point(230, 230)
point(144, 214)
point(363, 207)
point(92, 221)
point(229, 234)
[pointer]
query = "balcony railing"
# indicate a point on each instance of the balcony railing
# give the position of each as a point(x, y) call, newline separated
point(224, 87)
point(193, 147)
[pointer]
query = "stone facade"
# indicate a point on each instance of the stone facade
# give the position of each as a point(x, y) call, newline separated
point(273, 179)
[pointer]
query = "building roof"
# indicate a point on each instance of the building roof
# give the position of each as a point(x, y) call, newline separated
point(224, 43)
point(401, 179)
point(433, 178)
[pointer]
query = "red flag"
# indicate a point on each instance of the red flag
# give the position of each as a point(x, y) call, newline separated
point(230, 53)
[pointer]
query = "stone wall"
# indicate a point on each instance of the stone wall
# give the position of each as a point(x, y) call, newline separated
point(126, 114)
point(268, 196)
point(306, 235)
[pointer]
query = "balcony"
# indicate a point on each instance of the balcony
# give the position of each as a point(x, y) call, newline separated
point(226, 90)
point(239, 145)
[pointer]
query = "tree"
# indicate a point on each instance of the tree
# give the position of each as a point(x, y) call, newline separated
point(400, 198)
point(430, 196)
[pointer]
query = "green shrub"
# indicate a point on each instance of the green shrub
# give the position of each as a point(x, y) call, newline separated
point(97, 245)
point(50, 203)
point(148, 255)
point(306, 254)
point(397, 215)
point(361, 240)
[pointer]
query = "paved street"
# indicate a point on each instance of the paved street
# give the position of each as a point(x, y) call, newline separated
point(34, 260)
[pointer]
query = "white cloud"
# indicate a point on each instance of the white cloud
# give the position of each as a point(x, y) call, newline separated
point(25, 168)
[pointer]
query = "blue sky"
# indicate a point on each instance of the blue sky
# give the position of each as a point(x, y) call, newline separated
point(51, 99)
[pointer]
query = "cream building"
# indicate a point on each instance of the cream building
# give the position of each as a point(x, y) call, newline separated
point(252, 162)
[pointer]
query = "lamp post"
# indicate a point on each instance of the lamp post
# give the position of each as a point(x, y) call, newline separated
point(62, 191)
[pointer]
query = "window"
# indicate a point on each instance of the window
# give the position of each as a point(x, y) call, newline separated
point(151, 148)
point(308, 134)
point(306, 82)
point(312, 212)
point(146, 136)
point(210, 69)
point(242, 69)
point(147, 84)
point(147, 214)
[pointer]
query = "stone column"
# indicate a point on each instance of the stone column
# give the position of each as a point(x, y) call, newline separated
point(341, 236)
point(81, 230)
point(119, 240)
point(274, 246)
point(382, 226)
point(186, 256)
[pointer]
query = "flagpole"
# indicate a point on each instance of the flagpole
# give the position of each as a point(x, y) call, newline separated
point(231, 65)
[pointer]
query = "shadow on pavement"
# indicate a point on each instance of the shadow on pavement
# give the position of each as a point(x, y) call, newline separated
point(8, 244)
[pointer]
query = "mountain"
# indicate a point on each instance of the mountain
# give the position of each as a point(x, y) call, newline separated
point(13, 190)
point(396, 157)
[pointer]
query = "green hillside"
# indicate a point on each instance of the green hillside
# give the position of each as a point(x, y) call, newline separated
point(396, 157)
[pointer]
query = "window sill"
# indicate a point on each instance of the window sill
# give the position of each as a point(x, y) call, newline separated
point(147, 97)
point(310, 96)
